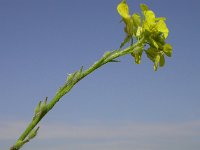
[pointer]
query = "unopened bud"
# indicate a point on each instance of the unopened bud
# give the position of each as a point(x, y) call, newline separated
point(33, 133)
point(37, 108)
point(44, 105)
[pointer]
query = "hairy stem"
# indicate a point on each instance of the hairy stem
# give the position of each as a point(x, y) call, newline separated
point(74, 78)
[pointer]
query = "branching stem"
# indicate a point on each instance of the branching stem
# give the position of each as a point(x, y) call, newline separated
point(74, 78)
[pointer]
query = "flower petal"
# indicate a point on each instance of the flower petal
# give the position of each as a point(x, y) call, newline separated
point(162, 27)
point(144, 7)
point(123, 10)
point(150, 17)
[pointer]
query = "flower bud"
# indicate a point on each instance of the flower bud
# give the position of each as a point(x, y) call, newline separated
point(37, 108)
point(44, 105)
point(33, 133)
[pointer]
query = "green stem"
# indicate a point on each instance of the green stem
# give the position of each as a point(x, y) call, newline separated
point(108, 57)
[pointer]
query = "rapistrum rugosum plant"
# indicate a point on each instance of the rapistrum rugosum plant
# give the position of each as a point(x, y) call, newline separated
point(145, 33)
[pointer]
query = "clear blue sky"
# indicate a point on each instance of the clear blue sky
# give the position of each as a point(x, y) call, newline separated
point(120, 106)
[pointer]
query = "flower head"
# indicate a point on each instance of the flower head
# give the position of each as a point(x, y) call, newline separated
point(152, 30)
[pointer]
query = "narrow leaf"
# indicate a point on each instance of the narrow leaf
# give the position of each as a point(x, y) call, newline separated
point(114, 60)
point(126, 40)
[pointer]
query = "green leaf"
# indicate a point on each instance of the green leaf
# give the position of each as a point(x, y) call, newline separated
point(167, 50)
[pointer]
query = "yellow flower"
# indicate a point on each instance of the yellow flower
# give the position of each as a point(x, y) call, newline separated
point(123, 11)
point(153, 24)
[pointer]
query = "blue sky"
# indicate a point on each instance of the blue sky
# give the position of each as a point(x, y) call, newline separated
point(120, 106)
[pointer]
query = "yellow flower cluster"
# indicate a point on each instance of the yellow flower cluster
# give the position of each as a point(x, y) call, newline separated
point(153, 30)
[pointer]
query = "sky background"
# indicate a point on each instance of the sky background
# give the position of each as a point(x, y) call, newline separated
point(122, 106)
